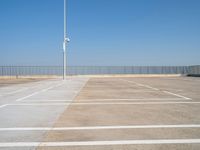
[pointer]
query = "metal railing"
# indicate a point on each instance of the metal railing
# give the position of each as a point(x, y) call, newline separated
point(30, 70)
point(194, 70)
point(95, 70)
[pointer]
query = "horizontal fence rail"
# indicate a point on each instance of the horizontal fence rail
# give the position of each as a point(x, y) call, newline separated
point(95, 70)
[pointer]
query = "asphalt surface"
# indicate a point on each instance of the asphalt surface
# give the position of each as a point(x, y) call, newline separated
point(102, 113)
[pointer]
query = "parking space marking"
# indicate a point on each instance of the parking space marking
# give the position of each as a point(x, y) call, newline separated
point(178, 95)
point(143, 85)
point(119, 103)
point(100, 127)
point(156, 89)
point(38, 104)
point(101, 143)
point(31, 86)
point(133, 99)
point(2, 106)
point(22, 89)
point(106, 100)
point(43, 90)
point(136, 103)
point(30, 95)
point(35, 93)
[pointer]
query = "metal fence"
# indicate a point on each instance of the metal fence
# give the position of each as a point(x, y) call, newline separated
point(29, 70)
point(194, 70)
point(94, 70)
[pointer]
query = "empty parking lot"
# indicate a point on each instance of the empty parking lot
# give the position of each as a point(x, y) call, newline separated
point(101, 113)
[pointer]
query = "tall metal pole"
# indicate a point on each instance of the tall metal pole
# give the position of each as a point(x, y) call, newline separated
point(66, 40)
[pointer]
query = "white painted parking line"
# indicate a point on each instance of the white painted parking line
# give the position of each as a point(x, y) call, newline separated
point(2, 106)
point(31, 86)
point(101, 127)
point(100, 143)
point(147, 86)
point(135, 99)
point(35, 93)
point(106, 100)
point(178, 95)
point(38, 104)
point(47, 89)
point(156, 89)
point(74, 103)
point(143, 85)
point(136, 103)
point(25, 97)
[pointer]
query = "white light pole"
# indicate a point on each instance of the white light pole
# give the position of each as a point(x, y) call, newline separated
point(66, 40)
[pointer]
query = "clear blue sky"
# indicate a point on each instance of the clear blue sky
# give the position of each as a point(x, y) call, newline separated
point(102, 32)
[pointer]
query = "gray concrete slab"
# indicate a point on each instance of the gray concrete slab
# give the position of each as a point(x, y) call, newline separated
point(12, 93)
point(106, 113)
point(29, 116)
point(20, 116)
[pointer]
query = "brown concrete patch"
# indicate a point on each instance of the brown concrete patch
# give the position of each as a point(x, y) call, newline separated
point(129, 115)
point(122, 134)
point(124, 115)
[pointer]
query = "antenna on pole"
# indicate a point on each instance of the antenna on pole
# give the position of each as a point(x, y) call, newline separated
point(66, 40)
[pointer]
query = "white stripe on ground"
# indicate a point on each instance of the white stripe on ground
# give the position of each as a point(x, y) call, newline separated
point(150, 87)
point(44, 90)
point(135, 99)
point(128, 103)
point(30, 95)
point(35, 93)
point(156, 89)
point(100, 143)
point(2, 106)
point(136, 103)
point(108, 100)
point(38, 84)
point(100, 127)
point(139, 84)
point(178, 95)
point(83, 101)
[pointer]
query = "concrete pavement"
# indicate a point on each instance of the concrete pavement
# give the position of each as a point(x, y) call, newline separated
point(106, 113)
